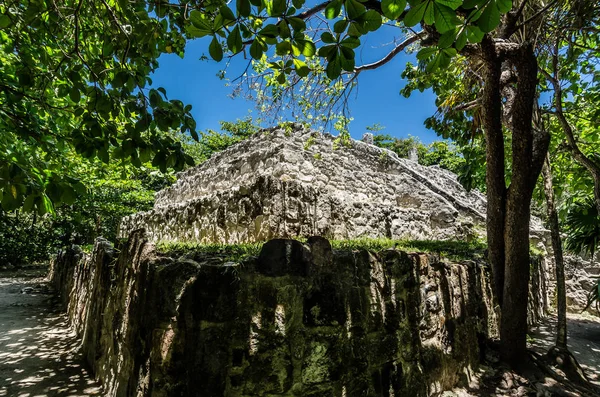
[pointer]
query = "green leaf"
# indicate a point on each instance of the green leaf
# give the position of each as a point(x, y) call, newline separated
point(310, 49)
point(415, 14)
point(29, 202)
point(350, 42)
point(284, 29)
point(155, 98)
point(429, 16)
point(227, 15)
point(215, 50)
point(328, 51)
point(256, 50)
point(445, 18)
point(103, 155)
point(371, 20)
point(334, 68)
point(451, 52)
point(68, 195)
point(490, 18)
point(354, 9)
point(193, 32)
point(474, 34)
point(328, 38)
point(283, 48)
point(5, 21)
point(453, 4)
point(447, 39)
point(304, 47)
point(461, 40)
point(333, 9)
point(275, 7)
point(348, 64)
point(347, 59)
point(234, 40)
point(46, 206)
point(474, 15)
point(504, 6)
point(200, 22)
point(298, 24)
point(9, 198)
point(356, 30)
point(75, 95)
point(270, 31)
point(243, 7)
point(107, 48)
point(425, 53)
point(392, 9)
point(302, 69)
point(434, 64)
point(340, 26)
point(468, 4)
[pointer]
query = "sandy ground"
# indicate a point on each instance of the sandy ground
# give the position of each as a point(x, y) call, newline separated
point(583, 340)
point(38, 353)
point(493, 379)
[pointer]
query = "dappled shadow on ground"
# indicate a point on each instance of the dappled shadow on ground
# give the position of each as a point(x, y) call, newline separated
point(583, 340)
point(38, 353)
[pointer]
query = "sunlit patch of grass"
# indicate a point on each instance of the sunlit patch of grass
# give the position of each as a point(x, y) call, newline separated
point(448, 249)
point(88, 248)
point(239, 252)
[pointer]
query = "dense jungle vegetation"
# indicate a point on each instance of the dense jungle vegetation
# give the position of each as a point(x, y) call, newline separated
point(85, 137)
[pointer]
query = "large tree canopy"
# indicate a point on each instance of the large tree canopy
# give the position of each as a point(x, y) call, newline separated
point(75, 74)
point(74, 77)
point(75, 82)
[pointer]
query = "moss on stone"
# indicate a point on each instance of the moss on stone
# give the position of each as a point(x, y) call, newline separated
point(227, 252)
point(454, 250)
point(298, 319)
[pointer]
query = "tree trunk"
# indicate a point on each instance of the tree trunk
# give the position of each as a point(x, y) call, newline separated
point(578, 155)
point(495, 183)
point(561, 295)
point(526, 167)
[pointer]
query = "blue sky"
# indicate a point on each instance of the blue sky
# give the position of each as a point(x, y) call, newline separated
point(377, 99)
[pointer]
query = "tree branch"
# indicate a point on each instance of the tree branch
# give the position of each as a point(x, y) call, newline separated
point(466, 106)
point(578, 155)
point(312, 11)
point(399, 48)
point(536, 15)
point(76, 16)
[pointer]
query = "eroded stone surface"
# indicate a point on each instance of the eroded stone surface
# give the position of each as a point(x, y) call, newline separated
point(581, 273)
point(282, 184)
point(298, 320)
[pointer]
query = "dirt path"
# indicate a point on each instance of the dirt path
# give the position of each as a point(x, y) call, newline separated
point(583, 333)
point(38, 354)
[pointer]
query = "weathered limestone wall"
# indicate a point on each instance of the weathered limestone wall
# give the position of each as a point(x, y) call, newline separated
point(301, 319)
point(288, 184)
point(581, 274)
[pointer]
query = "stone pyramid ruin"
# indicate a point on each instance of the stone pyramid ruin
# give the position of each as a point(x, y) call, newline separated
point(284, 183)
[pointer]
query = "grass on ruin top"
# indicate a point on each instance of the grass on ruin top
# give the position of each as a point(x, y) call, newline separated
point(451, 249)
point(454, 250)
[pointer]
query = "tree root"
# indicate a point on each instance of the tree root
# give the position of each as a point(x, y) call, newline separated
point(560, 365)
point(564, 360)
